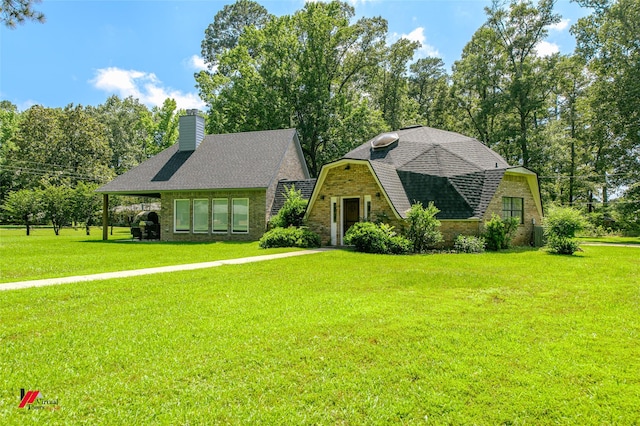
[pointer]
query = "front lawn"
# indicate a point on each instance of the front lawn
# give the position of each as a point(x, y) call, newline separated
point(610, 240)
point(336, 338)
point(45, 255)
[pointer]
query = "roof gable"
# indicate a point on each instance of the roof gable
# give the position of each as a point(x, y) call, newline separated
point(227, 161)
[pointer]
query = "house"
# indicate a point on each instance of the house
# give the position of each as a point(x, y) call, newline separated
point(382, 178)
point(214, 187)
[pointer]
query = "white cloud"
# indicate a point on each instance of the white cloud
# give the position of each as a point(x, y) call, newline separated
point(560, 26)
point(418, 35)
point(544, 48)
point(144, 86)
point(196, 62)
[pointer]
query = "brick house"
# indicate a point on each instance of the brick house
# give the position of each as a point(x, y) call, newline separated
point(382, 178)
point(214, 187)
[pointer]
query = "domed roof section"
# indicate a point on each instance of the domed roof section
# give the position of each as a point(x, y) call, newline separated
point(435, 152)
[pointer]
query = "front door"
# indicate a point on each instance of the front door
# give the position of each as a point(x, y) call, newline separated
point(351, 213)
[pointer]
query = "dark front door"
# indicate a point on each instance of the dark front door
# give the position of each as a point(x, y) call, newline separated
point(351, 213)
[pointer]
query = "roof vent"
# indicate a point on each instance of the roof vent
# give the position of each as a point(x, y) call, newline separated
point(384, 140)
point(412, 126)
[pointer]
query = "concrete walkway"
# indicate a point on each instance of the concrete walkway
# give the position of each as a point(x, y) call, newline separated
point(158, 270)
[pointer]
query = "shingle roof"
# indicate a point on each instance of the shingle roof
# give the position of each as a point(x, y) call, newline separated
point(233, 161)
point(305, 187)
point(458, 173)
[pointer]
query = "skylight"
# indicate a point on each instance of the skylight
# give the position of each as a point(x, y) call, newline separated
point(384, 140)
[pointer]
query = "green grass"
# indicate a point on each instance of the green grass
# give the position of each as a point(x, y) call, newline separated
point(523, 337)
point(610, 240)
point(45, 255)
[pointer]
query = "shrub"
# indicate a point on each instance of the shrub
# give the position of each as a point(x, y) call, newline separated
point(469, 244)
point(560, 227)
point(369, 237)
point(289, 237)
point(499, 232)
point(292, 211)
point(423, 227)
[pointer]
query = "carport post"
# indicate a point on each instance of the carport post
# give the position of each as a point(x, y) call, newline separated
point(105, 217)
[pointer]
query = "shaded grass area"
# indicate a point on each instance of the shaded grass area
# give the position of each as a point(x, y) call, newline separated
point(45, 255)
point(336, 338)
point(610, 240)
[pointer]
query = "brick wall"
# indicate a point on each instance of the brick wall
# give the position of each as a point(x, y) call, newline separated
point(340, 182)
point(515, 186)
point(257, 214)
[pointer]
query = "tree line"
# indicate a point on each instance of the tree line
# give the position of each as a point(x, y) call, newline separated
point(573, 119)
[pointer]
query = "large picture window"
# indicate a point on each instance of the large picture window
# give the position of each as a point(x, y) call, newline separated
point(513, 207)
point(201, 216)
point(240, 215)
point(220, 208)
point(181, 215)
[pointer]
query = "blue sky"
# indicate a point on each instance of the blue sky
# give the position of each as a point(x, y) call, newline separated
point(89, 50)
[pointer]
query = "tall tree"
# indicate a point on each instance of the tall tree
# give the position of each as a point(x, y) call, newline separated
point(227, 27)
point(393, 90)
point(162, 125)
point(9, 119)
point(608, 41)
point(477, 92)
point(297, 71)
point(519, 30)
point(429, 89)
point(127, 133)
point(14, 12)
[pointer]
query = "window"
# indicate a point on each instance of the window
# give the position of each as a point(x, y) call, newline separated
point(200, 215)
point(181, 215)
point(367, 207)
point(240, 215)
point(220, 208)
point(512, 207)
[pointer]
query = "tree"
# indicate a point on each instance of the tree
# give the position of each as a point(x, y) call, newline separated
point(518, 32)
point(162, 125)
point(85, 204)
point(127, 131)
point(84, 149)
point(9, 119)
point(227, 27)
point(608, 41)
point(60, 145)
point(13, 12)
point(393, 82)
point(477, 92)
point(302, 71)
point(57, 205)
point(429, 89)
point(23, 205)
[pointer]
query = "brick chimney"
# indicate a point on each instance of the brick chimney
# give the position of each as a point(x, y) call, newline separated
point(191, 130)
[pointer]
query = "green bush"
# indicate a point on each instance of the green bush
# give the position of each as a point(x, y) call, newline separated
point(423, 227)
point(289, 237)
point(499, 232)
point(292, 211)
point(469, 244)
point(369, 237)
point(560, 227)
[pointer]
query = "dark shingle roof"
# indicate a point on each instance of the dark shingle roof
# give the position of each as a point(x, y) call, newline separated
point(234, 161)
point(458, 173)
point(305, 187)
